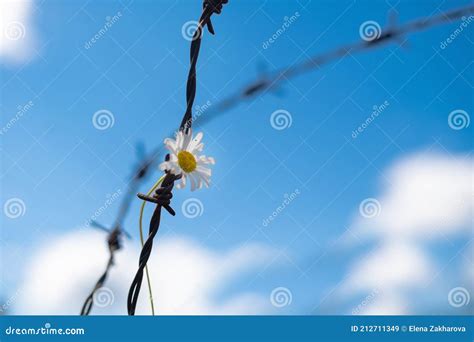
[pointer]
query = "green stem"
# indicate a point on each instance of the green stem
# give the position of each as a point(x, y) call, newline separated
point(140, 225)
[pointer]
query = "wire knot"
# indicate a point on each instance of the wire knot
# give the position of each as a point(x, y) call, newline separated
point(113, 240)
point(163, 194)
point(210, 7)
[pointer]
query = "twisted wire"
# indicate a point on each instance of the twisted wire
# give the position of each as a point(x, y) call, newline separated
point(162, 196)
point(272, 79)
point(113, 242)
point(115, 235)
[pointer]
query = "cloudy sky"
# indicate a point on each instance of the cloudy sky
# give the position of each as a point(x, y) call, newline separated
point(347, 190)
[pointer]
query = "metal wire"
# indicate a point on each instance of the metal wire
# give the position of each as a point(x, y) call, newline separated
point(114, 245)
point(116, 233)
point(255, 88)
point(162, 196)
point(272, 79)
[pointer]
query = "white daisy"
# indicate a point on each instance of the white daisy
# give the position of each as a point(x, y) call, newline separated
point(184, 159)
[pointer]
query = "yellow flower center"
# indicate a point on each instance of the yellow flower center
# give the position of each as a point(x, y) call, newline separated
point(186, 161)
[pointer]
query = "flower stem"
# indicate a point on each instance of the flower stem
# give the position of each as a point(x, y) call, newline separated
point(142, 240)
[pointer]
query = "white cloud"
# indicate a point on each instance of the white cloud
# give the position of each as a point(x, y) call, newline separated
point(187, 277)
point(429, 197)
point(17, 37)
point(386, 304)
point(394, 265)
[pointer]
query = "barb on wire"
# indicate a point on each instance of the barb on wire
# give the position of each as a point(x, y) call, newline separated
point(162, 196)
point(115, 234)
point(391, 33)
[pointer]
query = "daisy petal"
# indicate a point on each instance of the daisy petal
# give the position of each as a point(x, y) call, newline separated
point(193, 181)
point(187, 139)
point(206, 160)
point(184, 141)
point(165, 166)
point(170, 144)
point(204, 178)
point(179, 141)
point(182, 183)
point(204, 171)
point(195, 144)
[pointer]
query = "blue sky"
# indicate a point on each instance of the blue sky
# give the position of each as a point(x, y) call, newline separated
point(63, 168)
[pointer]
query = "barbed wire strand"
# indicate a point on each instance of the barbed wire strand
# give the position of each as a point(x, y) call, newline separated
point(162, 196)
point(260, 86)
point(116, 233)
point(272, 79)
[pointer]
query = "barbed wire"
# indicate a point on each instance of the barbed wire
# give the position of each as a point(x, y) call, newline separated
point(116, 233)
point(259, 86)
point(272, 79)
point(162, 196)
